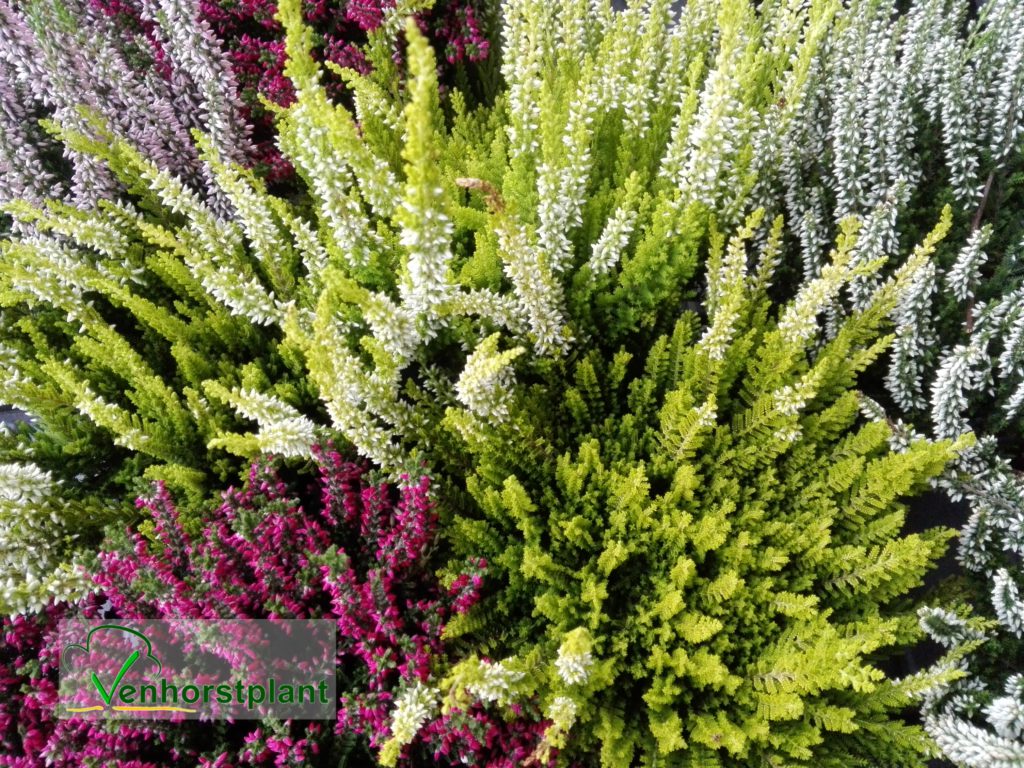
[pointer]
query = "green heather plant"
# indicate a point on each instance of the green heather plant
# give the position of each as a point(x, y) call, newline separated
point(701, 545)
point(148, 331)
point(695, 534)
point(902, 115)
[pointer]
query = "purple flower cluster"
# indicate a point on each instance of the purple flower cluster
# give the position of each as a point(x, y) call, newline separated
point(362, 558)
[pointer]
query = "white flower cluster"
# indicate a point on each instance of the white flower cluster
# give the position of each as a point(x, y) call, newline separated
point(413, 707)
point(950, 629)
point(574, 668)
point(1006, 713)
point(484, 386)
point(1006, 599)
point(306, 140)
point(574, 657)
point(972, 746)
point(964, 276)
point(33, 545)
point(962, 370)
point(214, 250)
point(724, 295)
point(799, 321)
point(614, 238)
point(537, 290)
point(915, 335)
point(789, 400)
point(283, 430)
point(494, 683)
point(526, 44)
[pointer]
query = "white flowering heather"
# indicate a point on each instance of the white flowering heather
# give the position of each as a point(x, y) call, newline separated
point(799, 321)
point(212, 248)
point(485, 383)
point(964, 276)
point(974, 747)
point(536, 288)
point(994, 530)
point(426, 229)
point(34, 544)
point(614, 238)
point(574, 657)
point(950, 628)
point(562, 712)
point(962, 370)
point(1006, 713)
point(876, 239)
point(1006, 599)
point(525, 46)
point(493, 684)
point(915, 336)
point(790, 400)
point(725, 271)
point(413, 707)
point(283, 430)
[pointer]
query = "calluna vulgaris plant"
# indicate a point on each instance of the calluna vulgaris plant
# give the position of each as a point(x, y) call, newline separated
point(900, 117)
point(698, 541)
point(254, 41)
point(146, 331)
point(362, 559)
point(62, 58)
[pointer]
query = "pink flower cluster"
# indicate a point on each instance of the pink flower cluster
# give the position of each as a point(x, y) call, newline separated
point(30, 735)
point(477, 737)
point(362, 558)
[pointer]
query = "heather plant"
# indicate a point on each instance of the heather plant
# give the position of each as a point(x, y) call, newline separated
point(510, 408)
point(45, 537)
point(60, 56)
point(254, 41)
point(901, 117)
point(148, 331)
point(459, 292)
point(700, 549)
point(347, 549)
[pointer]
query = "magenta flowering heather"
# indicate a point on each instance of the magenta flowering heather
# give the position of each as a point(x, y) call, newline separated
point(30, 735)
point(341, 547)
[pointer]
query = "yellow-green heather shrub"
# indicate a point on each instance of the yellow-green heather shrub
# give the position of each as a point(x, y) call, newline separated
point(694, 532)
point(151, 332)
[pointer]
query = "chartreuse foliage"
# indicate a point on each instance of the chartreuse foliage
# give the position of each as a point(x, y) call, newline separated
point(157, 336)
point(697, 537)
point(571, 215)
point(702, 543)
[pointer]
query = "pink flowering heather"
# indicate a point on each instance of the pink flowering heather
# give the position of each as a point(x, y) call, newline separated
point(254, 41)
point(343, 548)
point(478, 737)
point(30, 736)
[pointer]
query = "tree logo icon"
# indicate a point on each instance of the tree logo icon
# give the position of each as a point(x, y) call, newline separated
point(105, 650)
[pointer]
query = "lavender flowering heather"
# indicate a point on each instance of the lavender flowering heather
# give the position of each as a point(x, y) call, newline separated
point(360, 556)
point(58, 56)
